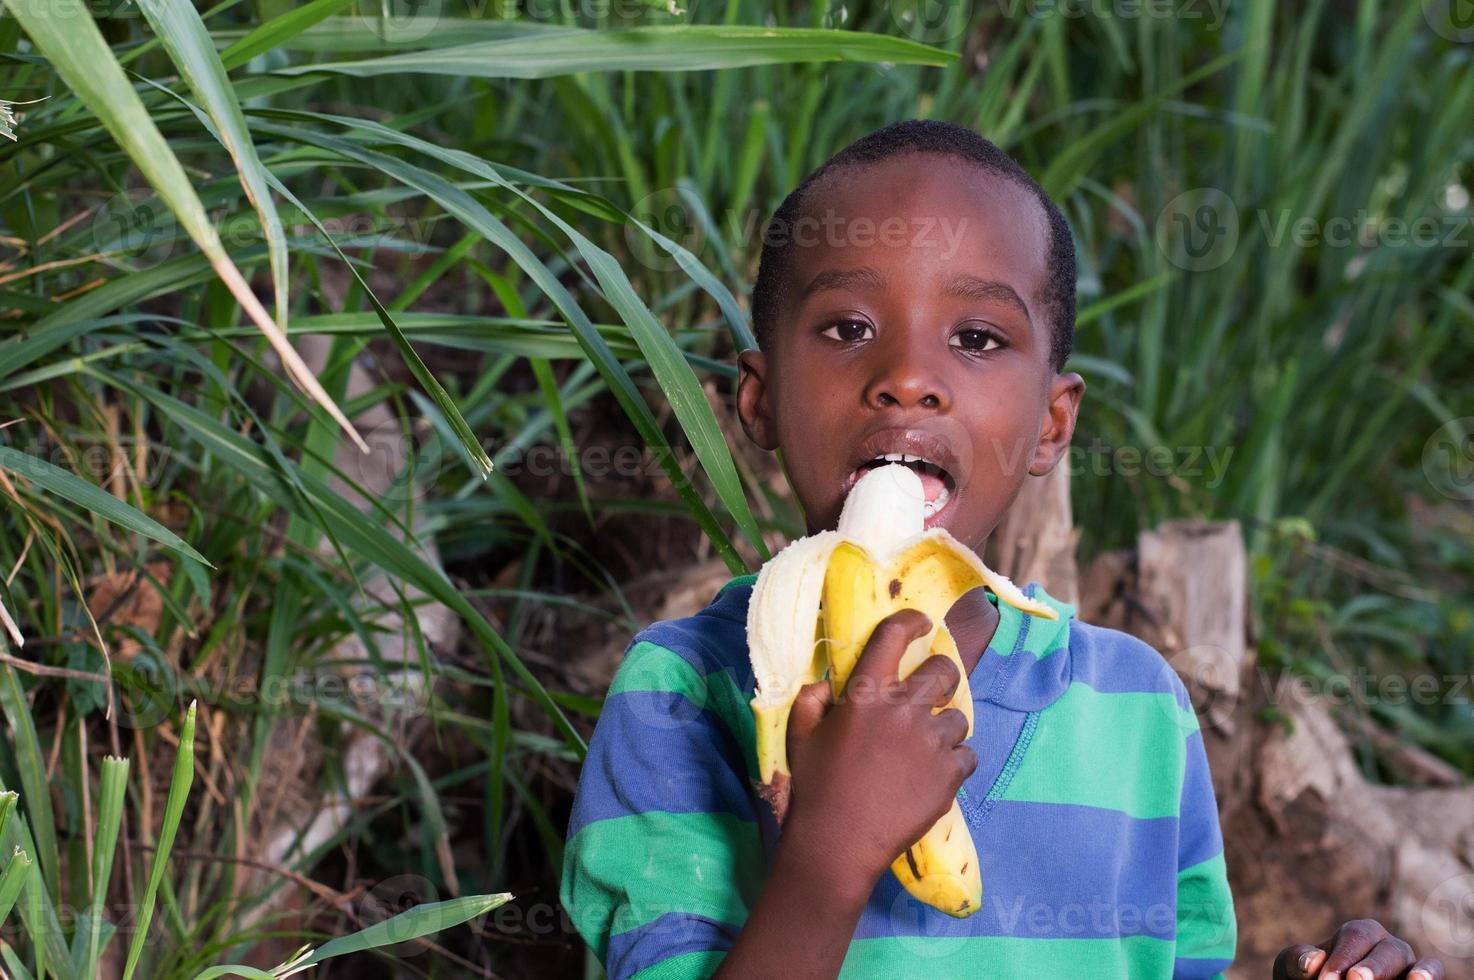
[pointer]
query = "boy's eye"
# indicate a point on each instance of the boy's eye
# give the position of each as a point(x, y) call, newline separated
point(846, 330)
point(973, 340)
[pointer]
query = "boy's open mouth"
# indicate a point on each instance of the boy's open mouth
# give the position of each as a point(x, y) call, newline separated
point(927, 454)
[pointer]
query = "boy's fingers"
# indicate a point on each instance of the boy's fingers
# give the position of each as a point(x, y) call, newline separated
point(1388, 959)
point(808, 710)
point(953, 725)
point(880, 661)
point(934, 682)
point(1299, 962)
point(1427, 968)
point(967, 759)
point(1353, 940)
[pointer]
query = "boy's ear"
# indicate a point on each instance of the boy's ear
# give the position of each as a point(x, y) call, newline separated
point(753, 406)
point(1065, 392)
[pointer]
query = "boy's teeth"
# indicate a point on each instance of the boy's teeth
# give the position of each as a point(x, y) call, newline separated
point(932, 506)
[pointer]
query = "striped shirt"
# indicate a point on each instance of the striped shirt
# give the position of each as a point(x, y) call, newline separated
point(1091, 806)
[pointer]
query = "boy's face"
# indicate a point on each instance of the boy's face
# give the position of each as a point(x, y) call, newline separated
point(912, 323)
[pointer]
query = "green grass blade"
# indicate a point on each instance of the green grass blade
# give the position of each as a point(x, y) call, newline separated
point(30, 762)
point(114, 784)
point(77, 316)
point(178, 25)
point(412, 360)
point(698, 47)
point(7, 807)
point(680, 384)
point(542, 370)
point(12, 962)
point(248, 972)
point(17, 869)
point(37, 911)
point(411, 924)
point(422, 920)
point(1066, 170)
point(54, 479)
point(173, 813)
point(279, 30)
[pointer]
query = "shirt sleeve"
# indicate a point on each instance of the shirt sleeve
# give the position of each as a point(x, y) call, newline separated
point(1207, 932)
point(665, 855)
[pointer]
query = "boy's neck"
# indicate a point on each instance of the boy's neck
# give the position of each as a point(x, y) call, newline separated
point(972, 621)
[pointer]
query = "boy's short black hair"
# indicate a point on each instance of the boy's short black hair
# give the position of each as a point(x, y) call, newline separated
point(929, 136)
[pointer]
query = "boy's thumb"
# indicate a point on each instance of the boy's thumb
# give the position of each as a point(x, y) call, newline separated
point(808, 710)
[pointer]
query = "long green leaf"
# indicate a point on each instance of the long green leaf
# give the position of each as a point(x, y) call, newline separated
point(30, 762)
point(113, 785)
point(13, 963)
point(37, 910)
point(422, 920)
point(696, 47)
point(279, 30)
point(411, 924)
point(54, 479)
point(178, 25)
point(173, 813)
point(1065, 171)
point(184, 37)
point(16, 868)
point(448, 408)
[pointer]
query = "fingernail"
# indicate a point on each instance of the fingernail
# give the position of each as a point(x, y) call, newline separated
point(1420, 975)
point(1306, 959)
point(1331, 976)
point(1361, 973)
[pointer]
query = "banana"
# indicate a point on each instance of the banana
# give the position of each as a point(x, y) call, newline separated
point(814, 606)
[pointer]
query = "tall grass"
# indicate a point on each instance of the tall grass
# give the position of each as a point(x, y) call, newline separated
point(524, 217)
point(178, 527)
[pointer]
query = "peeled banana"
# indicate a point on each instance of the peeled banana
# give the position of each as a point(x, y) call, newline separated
point(814, 606)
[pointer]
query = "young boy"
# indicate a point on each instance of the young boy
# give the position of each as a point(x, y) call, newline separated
point(915, 295)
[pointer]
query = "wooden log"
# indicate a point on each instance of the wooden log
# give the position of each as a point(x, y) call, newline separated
point(1191, 604)
point(1036, 537)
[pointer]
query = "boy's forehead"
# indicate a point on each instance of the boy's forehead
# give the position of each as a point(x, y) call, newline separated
point(927, 215)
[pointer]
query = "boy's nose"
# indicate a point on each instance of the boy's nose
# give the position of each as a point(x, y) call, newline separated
point(904, 384)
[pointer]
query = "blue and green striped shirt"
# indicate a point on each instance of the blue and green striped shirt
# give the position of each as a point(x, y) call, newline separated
point(1091, 807)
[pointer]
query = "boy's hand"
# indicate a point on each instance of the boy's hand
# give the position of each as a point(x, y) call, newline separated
point(1360, 950)
point(873, 772)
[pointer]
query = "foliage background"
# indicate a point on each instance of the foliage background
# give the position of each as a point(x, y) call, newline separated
point(537, 224)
